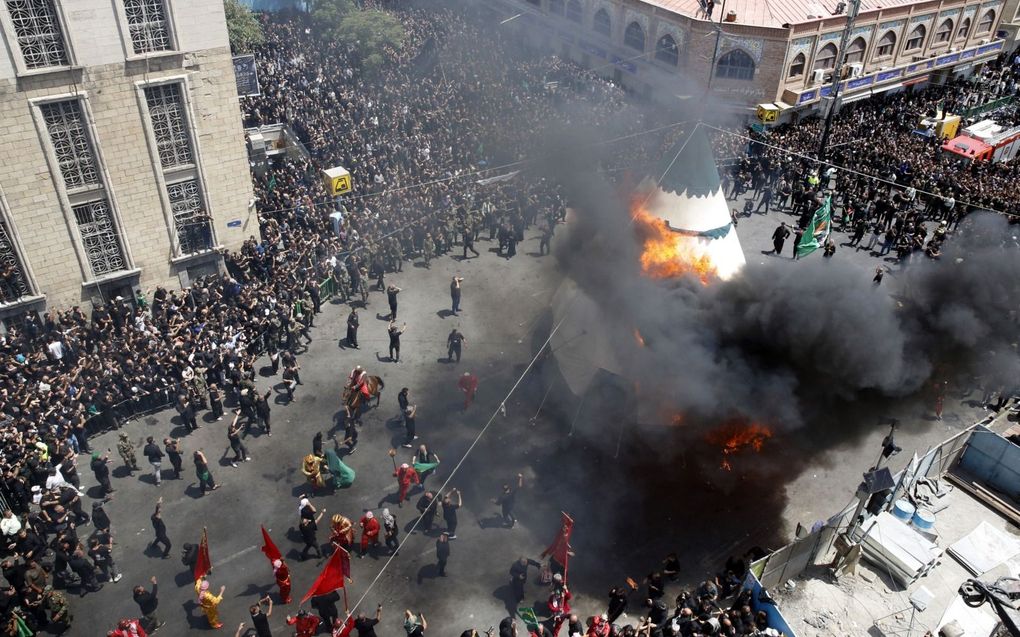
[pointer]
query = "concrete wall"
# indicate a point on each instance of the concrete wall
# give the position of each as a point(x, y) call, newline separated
point(109, 77)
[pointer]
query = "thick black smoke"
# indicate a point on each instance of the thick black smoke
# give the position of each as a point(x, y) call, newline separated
point(783, 340)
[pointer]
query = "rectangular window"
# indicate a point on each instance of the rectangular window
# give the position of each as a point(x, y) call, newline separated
point(190, 219)
point(147, 25)
point(13, 282)
point(37, 28)
point(99, 237)
point(166, 111)
point(65, 123)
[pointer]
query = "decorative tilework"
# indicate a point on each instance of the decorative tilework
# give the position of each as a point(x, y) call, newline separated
point(751, 46)
point(801, 45)
point(865, 32)
point(835, 35)
point(949, 13)
point(970, 12)
point(668, 28)
point(894, 24)
point(923, 19)
point(640, 18)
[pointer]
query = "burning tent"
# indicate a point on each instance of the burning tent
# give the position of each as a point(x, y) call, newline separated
point(696, 232)
point(684, 228)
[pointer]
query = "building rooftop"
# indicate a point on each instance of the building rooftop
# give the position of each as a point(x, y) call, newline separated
point(773, 13)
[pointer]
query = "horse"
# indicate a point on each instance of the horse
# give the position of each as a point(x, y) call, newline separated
point(353, 399)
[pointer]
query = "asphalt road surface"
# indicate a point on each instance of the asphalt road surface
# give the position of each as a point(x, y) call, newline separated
point(632, 504)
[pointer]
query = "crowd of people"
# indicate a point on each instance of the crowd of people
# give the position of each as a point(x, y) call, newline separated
point(423, 143)
point(887, 179)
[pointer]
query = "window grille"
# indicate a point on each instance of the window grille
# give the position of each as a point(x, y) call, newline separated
point(37, 29)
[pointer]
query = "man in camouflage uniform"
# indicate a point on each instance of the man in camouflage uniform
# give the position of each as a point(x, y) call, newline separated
point(127, 451)
point(60, 612)
point(428, 249)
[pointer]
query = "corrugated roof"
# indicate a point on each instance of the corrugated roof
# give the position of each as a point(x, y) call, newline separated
point(773, 13)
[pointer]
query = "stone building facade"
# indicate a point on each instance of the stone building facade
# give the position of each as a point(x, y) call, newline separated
point(762, 52)
point(124, 164)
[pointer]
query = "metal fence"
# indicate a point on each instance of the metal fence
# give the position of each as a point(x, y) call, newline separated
point(794, 558)
point(987, 107)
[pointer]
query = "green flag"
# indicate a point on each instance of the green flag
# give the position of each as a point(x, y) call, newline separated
point(817, 231)
point(528, 616)
point(272, 183)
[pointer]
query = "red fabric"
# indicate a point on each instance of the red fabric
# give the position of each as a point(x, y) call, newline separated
point(344, 629)
point(331, 577)
point(203, 564)
point(282, 575)
point(560, 548)
point(306, 625)
point(269, 548)
point(369, 532)
point(125, 626)
point(406, 476)
point(345, 563)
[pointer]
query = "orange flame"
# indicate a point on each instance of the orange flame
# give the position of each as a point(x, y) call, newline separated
point(637, 337)
point(736, 436)
point(666, 254)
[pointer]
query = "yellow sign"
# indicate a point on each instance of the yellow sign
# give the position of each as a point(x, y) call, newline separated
point(767, 113)
point(337, 180)
point(341, 185)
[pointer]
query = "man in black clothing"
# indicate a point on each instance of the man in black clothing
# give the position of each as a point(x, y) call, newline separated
point(395, 333)
point(155, 457)
point(442, 552)
point(173, 452)
point(147, 603)
point(391, 295)
point(100, 467)
point(160, 528)
point(507, 499)
point(454, 342)
point(366, 626)
point(85, 571)
point(325, 606)
point(308, 528)
point(428, 512)
point(519, 577)
point(259, 619)
point(617, 603)
point(779, 238)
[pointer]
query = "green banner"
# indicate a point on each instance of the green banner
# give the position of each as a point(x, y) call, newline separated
point(528, 615)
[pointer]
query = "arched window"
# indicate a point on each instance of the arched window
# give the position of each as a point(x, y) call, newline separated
point(601, 22)
point(556, 7)
point(886, 46)
point(916, 38)
point(574, 13)
point(987, 20)
point(735, 65)
point(855, 52)
point(797, 68)
point(634, 36)
point(826, 58)
point(944, 33)
point(666, 51)
point(964, 30)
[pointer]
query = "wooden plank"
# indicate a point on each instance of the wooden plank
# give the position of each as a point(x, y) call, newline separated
point(996, 504)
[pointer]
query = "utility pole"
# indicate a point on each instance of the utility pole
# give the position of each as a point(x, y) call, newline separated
point(853, 7)
point(715, 51)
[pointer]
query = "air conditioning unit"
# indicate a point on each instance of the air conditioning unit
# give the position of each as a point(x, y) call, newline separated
point(856, 69)
point(818, 76)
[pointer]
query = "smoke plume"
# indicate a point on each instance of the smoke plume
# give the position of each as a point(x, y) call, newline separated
point(784, 339)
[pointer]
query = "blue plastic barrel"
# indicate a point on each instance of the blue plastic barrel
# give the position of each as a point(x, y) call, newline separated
point(903, 510)
point(923, 519)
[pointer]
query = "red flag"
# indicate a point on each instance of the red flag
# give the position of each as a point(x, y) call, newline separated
point(560, 548)
point(331, 577)
point(203, 564)
point(269, 548)
point(345, 562)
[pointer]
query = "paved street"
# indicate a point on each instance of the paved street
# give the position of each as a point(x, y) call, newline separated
point(631, 506)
